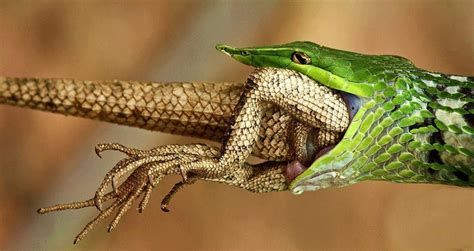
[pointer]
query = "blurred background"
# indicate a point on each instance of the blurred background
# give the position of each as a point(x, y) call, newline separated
point(47, 158)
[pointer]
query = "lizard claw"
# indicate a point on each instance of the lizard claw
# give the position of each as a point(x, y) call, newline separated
point(183, 174)
point(146, 198)
point(178, 186)
point(98, 151)
point(151, 180)
point(164, 207)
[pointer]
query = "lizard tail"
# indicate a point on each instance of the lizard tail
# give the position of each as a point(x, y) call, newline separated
point(198, 109)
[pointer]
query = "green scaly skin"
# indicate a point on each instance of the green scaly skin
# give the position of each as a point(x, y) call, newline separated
point(413, 125)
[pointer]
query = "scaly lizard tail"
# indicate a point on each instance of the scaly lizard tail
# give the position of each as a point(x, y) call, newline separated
point(197, 109)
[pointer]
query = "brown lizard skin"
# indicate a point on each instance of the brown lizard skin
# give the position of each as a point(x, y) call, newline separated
point(255, 118)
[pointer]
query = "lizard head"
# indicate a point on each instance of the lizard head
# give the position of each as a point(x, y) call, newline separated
point(364, 80)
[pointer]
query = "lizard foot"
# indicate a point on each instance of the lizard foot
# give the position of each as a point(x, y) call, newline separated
point(141, 181)
point(164, 160)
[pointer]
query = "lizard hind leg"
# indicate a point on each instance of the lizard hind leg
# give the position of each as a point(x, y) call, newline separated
point(265, 177)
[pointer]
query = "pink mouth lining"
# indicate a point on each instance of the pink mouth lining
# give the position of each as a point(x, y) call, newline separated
point(295, 168)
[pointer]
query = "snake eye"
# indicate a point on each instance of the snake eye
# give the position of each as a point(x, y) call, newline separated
point(244, 53)
point(300, 58)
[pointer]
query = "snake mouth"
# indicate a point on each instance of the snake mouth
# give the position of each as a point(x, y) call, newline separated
point(295, 168)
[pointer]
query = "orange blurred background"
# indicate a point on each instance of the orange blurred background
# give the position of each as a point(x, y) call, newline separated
point(47, 158)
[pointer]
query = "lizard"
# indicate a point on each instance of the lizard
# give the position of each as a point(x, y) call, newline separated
point(320, 117)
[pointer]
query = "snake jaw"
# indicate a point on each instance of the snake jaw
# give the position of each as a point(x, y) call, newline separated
point(320, 176)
